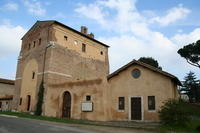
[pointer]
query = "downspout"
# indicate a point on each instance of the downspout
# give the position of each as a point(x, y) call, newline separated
point(45, 52)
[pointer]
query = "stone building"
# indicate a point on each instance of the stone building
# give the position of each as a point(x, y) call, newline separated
point(6, 94)
point(75, 69)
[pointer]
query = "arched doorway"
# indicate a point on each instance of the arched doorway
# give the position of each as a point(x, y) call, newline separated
point(66, 111)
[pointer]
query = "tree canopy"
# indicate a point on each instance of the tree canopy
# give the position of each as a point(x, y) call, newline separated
point(151, 61)
point(191, 53)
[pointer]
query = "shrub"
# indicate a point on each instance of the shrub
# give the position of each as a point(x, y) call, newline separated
point(198, 128)
point(173, 113)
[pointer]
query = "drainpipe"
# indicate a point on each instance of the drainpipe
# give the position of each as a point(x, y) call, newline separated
point(45, 52)
point(44, 60)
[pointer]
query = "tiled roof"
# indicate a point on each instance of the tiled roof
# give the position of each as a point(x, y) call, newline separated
point(7, 81)
point(6, 97)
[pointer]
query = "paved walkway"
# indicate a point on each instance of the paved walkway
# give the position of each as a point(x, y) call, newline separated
point(129, 124)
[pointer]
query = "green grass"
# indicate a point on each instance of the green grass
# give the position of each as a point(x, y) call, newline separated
point(190, 128)
point(53, 119)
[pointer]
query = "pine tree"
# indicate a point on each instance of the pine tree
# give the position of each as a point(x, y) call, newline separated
point(191, 87)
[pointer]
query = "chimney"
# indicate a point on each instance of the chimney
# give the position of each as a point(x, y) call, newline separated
point(91, 35)
point(84, 30)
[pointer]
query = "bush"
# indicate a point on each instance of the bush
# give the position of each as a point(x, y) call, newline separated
point(198, 128)
point(173, 113)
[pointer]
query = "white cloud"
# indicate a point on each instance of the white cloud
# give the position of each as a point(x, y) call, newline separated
point(134, 37)
point(34, 7)
point(10, 40)
point(124, 15)
point(172, 15)
point(92, 11)
point(10, 6)
point(182, 39)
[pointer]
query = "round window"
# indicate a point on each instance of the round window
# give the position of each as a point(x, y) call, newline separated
point(136, 73)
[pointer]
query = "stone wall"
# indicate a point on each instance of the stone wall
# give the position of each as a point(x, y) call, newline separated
point(78, 75)
point(67, 68)
point(6, 93)
point(34, 53)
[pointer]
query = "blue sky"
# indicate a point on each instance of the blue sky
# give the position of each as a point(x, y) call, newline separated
point(133, 28)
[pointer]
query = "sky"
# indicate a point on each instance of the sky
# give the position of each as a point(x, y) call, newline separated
point(132, 28)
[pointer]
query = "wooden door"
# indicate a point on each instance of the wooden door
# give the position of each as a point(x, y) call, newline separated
point(66, 105)
point(136, 111)
point(28, 102)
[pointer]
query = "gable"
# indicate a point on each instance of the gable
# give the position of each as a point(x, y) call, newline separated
point(37, 25)
point(146, 66)
point(140, 75)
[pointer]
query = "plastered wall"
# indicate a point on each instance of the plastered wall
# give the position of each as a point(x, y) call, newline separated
point(150, 83)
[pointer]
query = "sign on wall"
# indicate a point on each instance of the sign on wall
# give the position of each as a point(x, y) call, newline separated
point(87, 106)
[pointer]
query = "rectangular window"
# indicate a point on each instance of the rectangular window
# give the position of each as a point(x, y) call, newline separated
point(0, 104)
point(151, 103)
point(121, 103)
point(65, 37)
point(40, 41)
point(33, 75)
point(20, 101)
point(34, 44)
point(88, 98)
point(83, 47)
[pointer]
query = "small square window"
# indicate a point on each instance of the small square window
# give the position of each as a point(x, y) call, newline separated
point(65, 37)
point(121, 103)
point(33, 75)
point(83, 47)
point(101, 52)
point(88, 98)
point(151, 103)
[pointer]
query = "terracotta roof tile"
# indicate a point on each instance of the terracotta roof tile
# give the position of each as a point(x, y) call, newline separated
point(7, 81)
point(6, 97)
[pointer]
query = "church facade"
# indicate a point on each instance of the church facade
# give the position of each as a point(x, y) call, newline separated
point(75, 69)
